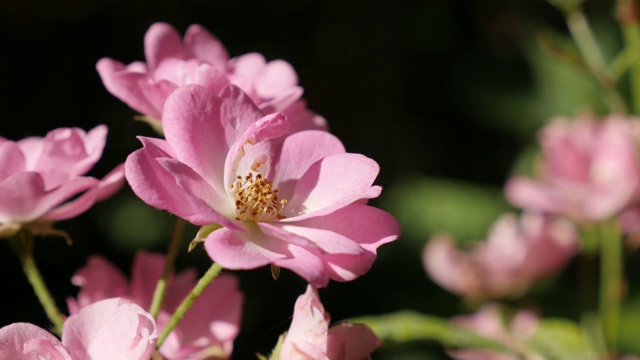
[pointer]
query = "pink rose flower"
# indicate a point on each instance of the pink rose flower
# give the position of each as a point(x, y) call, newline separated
point(589, 170)
point(107, 330)
point(202, 59)
point(208, 328)
point(297, 201)
point(40, 176)
point(490, 322)
point(310, 338)
point(517, 253)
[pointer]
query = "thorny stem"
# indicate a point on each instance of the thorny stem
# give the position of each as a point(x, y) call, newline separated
point(172, 253)
point(202, 284)
point(22, 245)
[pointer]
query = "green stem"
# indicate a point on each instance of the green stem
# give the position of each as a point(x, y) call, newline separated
point(202, 284)
point(22, 245)
point(172, 253)
point(590, 51)
point(610, 280)
point(627, 15)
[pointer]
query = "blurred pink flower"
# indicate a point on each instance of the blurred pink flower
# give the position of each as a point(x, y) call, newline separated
point(207, 330)
point(107, 330)
point(489, 322)
point(589, 169)
point(517, 253)
point(40, 176)
point(296, 201)
point(202, 59)
point(310, 338)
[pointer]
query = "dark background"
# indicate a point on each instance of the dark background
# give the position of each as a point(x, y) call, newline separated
point(406, 83)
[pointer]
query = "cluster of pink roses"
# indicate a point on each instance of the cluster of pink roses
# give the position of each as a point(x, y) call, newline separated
point(242, 157)
point(588, 173)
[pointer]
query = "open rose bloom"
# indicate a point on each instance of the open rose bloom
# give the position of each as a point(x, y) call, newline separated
point(309, 336)
point(517, 253)
point(207, 330)
point(589, 170)
point(295, 201)
point(107, 330)
point(201, 59)
point(42, 179)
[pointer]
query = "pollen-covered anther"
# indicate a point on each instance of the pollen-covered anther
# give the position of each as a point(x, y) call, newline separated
point(256, 199)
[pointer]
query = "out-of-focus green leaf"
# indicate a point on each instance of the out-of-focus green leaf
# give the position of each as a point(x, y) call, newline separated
point(562, 339)
point(404, 326)
point(556, 84)
point(133, 224)
point(629, 320)
point(428, 205)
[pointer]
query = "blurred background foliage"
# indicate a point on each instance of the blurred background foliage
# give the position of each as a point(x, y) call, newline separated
point(445, 94)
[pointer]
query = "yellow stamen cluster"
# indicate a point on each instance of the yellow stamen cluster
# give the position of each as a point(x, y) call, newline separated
point(256, 199)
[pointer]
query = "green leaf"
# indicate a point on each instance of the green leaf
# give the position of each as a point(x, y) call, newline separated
point(409, 325)
point(427, 205)
point(629, 320)
point(562, 339)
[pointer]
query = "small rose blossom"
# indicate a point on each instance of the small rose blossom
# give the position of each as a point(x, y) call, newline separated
point(517, 253)
point(107, 330)
point(296, 201)
point(207, 330)
point(310, 338)
point(589, 170)
point(202, 59)
point(489, 322)
point(40, 176)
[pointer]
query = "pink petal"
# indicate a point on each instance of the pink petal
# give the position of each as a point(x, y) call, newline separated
point(237, 113)
point(351, 342)
point(210, 325)
point(145, 273)
point(157, 187)
point(200, 44)
point(25, 198)
point(448, 267)
point(301, 118)
point(104, 189)
point(216, 207)
point(299, 151)
point(234, 250)
point(531, 195)
point(27, 341)
point(193, 126)
point(178, 287)
point(64, 155)
point(110, 329)
point(277, 77)
point(133, 88)
point(92, 279)
point(269, 127)
point(331, 183)
point(307, 264)
point(31, 148)
point(161, 42)
point(11, 159)
point(309, 328)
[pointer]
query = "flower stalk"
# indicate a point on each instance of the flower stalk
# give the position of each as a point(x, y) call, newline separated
point(610, 280)
point(22, 244)
point(172, 253)
point(593, 57)
point(627, 13)
point(202, 284)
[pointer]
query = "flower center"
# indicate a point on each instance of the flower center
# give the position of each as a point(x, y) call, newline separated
point(256, 199)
